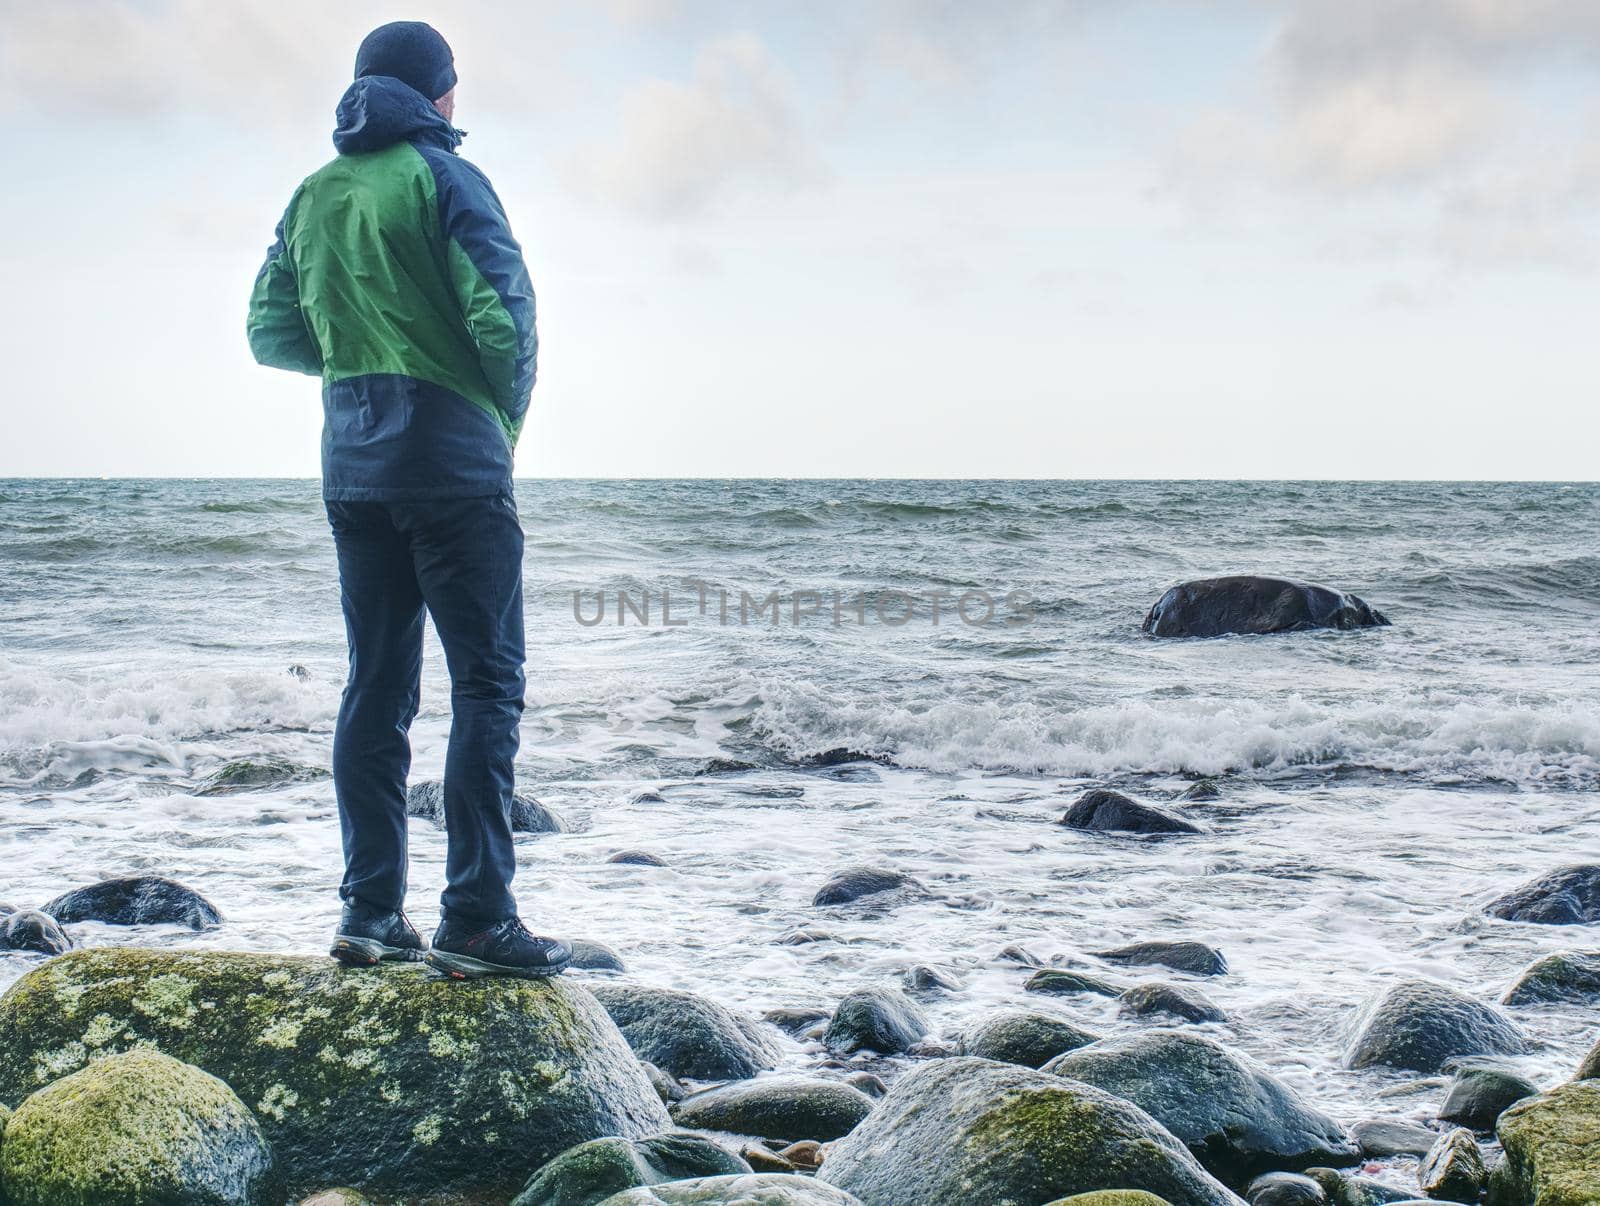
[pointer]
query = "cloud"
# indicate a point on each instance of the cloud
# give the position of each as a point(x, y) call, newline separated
point(684, 145)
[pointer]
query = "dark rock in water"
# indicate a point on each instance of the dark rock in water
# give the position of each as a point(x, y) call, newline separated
point(1016, 954)
point(1196, 958)
point(930, 980)
point(969, 1130)
point(1203, 790)
point(803, 935)
point(777, 1107)
point(884, 1020)
point(33, 931)
point(299, 671)
point(1029, 1039)
point(591, 1172)
point(667, 1088)
point(1552, 1149)
point(1589, 1069)
point(1346, 1189)
point(1480, 1095)
point(795, 1021)
point(869, 1084)
point(855, 882)
point(134, 1128)
point(1571, 976)
point(1380, 1138)
point(637, 858)
point(257, 774)
point(137, 900)
point(1179, 1000)
point(1568, 896)
point(1060, 982)
point(1453, 1169)
point(1418, 1025)
point(755, 1189)
point(687, 1035)
point(647, 797)
point(380, 1077)
point(426, 800)
point(840, 756)
point(1238, 1120)
point(1245, 604)
point(1106, 811)
point(726, 766)
point(1285, 1189)
point(595, 956)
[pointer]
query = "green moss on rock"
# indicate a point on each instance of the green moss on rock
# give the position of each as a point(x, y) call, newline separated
point(600, 1168)
point(1111, 1197)
point(1552, 1150)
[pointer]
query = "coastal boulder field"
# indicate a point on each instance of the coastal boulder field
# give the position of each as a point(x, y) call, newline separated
point(1248, 605)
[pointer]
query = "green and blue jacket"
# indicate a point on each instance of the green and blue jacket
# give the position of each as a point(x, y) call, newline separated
point(395, 278)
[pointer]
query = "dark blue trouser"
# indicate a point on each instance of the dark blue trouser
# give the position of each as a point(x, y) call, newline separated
point(461, 560)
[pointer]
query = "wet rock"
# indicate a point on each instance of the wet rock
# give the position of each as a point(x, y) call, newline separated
point(1016, 954)
point(28, 930)
point(637, 858)
point(1417, 1025)
point(137, 900)
point(1589, 1069)
point(1285, 1189)
point(777, 1107)
point(841, 756)
point(869, 1084)
point(1566, 896)
point(1206, 789)
point(380, 1077)
point(1238, 1120)
point(1196, 958)
point(1016, 1037)
point(1552, 1149)
point(1480, 1095)
point(1380, 1138)
point(806, 1154)
point(1571, 976)
point(1106, 811)
point(647, 796)
point(931, 1049)
point(257, 774)
point(338, 1197)
point(756, 1189)
point(595, 956)
point(1060, 982)
point(929, 981)
point(1453, 1168)
point(1178, 1000)
point(1249, 605)
point(726, 766)
point(884, 1020)
point(855, 882)
point(594, 1171)
point(528, 815)
point(765, 1160)
point(805, 935)
point(795, 1021)
point(687, 1035)
point(1347, 1189)
point(1111, 1197)
point(969, 1130)
point(137, 1129)
point(667, 1088)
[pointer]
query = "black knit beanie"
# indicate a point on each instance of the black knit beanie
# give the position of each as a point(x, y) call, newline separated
point(413, 52)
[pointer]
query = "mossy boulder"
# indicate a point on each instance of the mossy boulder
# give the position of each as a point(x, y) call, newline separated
point(381, 1078)
point(136, 1129)
point(136, 900)
point(1014, 1036)
point(1552, 1150)
point(1589, 1069)
point(777, 1107)
point(758, 1189)
point(1570, 976)
point(965, 1130)
point(1453, 1169)
point(1418, 1025)
point(1111, 1197)
point(1237, 1119)
point(884, 1020)
point(594, 1171)
point(688, 1035)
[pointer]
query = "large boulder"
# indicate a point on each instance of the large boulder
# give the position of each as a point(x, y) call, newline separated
point(853, 883)
point(1565, 896)
point(759, 1189)
point(136, 900)
point(1417, 1025)
point(1014, 1036)
point(777, 1107)
point(884, 1020)
point(1196, 958)
point(528, 815)
point(594, 1171)
point(1238, 1120)
point(1571, 976)
point(1245, 604)
point(688, 1035)
point(965, 1130)
point(386, 1078)
point(136, 1129)
point(1552, 1150)
point(1102, 810)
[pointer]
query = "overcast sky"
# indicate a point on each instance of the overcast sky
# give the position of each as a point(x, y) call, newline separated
point(1091, 238)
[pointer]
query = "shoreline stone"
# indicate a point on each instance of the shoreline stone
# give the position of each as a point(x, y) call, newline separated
point(1247, 604)
point(1105, 811)
point(884, 1020)
point(1196, 958)
point(1552, 1149)
point(1418, 1025)
point(790, 1108)
point(1566, 896)
point(687, 1035)
point(136, 900)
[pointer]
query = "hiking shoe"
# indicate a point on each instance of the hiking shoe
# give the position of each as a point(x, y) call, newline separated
point(465, 952)
point(368, 936)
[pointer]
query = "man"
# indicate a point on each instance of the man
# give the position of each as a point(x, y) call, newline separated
point(395, 279)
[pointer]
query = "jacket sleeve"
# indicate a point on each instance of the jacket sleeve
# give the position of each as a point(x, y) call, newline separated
point(491, 286)
point(276, 326)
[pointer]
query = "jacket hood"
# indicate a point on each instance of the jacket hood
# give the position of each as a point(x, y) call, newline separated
point(378, 111)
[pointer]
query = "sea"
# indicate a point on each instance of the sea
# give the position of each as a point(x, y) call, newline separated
point(762, 682)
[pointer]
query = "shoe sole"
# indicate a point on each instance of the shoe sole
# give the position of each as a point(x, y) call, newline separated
point(465, 967)
point(369, 952)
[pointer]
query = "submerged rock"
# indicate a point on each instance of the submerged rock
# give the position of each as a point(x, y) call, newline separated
point(528, 815)
point(136, 900)
point(1248, 605)
point(929, 981)
point(757, 1189)
point(385, 1077)
point(137, 1129)
point(637, 858)
point(1059, 982)
point(1106, 811)
point(594, 1171)
point(726, 766)
point(967, 1130)
point(686, 1034)
point(1566, 896)
point(1179, 1000)
point(1206, 789)
point(28, 930)
point(1030, 1039)
point(884, 1020)
point(795, 1021)
point(1571, 976)
point(1380, 1138)
point(777, 1107)
point(257, 774)
point(1417, 1025)
point(595, 956)
point(1478, 1096)
point(1285, 1189)
point(1552, 1150)
point(1196, 958)
point(1453, 1169)
point(855, 882)
point(1237, 1119)
point(1348, 1189)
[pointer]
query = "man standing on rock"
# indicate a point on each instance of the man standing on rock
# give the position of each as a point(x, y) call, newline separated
point(395, 278)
